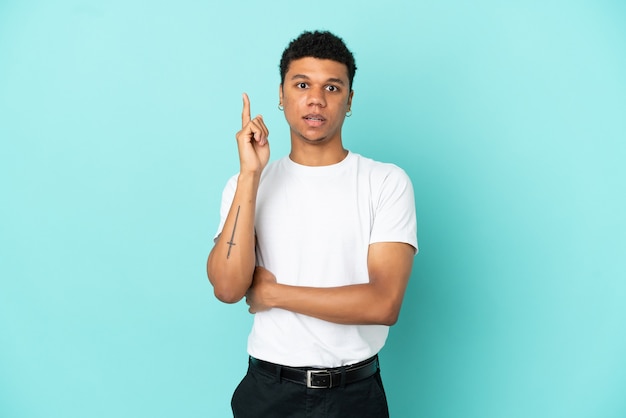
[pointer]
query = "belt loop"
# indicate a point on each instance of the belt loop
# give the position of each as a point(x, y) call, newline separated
point(343, 377)
point(279, 369)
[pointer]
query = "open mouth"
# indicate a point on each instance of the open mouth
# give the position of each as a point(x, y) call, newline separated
point(314, 120)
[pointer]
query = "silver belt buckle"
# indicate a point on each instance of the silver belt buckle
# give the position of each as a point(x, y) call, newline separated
point(309, 379)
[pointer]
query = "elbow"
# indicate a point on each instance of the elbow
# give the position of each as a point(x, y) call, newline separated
point(227, 295)
point(389, 313)
point(227, 287)
point(391, 321)
point(390, 318)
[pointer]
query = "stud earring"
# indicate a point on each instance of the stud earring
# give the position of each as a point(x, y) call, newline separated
point(280, 107)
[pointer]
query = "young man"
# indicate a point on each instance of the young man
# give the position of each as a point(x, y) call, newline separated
point(321, 244)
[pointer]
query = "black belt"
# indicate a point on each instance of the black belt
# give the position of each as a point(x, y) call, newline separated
point(321, 378)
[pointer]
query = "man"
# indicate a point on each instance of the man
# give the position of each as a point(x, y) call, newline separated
point(320, 242)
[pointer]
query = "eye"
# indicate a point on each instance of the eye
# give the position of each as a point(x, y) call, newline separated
point(302, 85)
point(332, 88)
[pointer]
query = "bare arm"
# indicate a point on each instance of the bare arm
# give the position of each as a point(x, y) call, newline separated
point(230, 265)
point(377, 302)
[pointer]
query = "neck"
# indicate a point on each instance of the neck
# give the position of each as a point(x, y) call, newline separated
point(317, 155)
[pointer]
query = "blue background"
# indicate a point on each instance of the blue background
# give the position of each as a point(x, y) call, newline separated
point(117, 123)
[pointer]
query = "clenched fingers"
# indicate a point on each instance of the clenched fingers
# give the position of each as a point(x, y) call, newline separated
point(256, 131)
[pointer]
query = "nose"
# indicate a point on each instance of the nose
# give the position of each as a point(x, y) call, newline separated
point(317, 97)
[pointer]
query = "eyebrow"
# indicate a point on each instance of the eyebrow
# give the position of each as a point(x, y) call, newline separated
point(330, 80)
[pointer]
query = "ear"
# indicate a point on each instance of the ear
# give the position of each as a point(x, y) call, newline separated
point(280, 94)
point(350, 99)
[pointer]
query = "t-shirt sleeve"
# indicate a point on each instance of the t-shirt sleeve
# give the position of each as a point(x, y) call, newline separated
point(228, 194)
point(395, 219)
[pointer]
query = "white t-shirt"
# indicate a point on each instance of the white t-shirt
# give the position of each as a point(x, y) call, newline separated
point(313, 228)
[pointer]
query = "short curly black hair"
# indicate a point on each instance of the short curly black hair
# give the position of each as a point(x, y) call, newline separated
point(317, 44)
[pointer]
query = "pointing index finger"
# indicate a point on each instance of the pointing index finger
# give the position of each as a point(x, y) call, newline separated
point(245, 114)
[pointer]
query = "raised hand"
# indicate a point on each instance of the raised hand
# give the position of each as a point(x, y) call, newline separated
point(254, 149)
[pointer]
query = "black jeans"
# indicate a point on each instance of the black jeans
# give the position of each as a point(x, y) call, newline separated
point(262, 395)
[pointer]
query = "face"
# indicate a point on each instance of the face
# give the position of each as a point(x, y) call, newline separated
point(316, 96)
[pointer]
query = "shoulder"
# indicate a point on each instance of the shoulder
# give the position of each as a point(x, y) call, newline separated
point(381, 171)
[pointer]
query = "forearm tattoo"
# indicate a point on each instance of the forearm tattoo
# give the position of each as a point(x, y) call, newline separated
point(232, 237)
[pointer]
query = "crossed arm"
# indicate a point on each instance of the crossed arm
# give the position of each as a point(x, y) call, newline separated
point(376, 302)
point(232, 272)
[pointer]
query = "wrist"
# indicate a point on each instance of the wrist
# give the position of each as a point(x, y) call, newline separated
point(246, 176)
point(252, 170)
point(271, 295)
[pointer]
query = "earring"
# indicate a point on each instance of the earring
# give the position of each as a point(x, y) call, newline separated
point(280, 107)
point(349, 113)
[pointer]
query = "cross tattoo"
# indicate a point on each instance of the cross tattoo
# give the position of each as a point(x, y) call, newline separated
point(232, 237)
